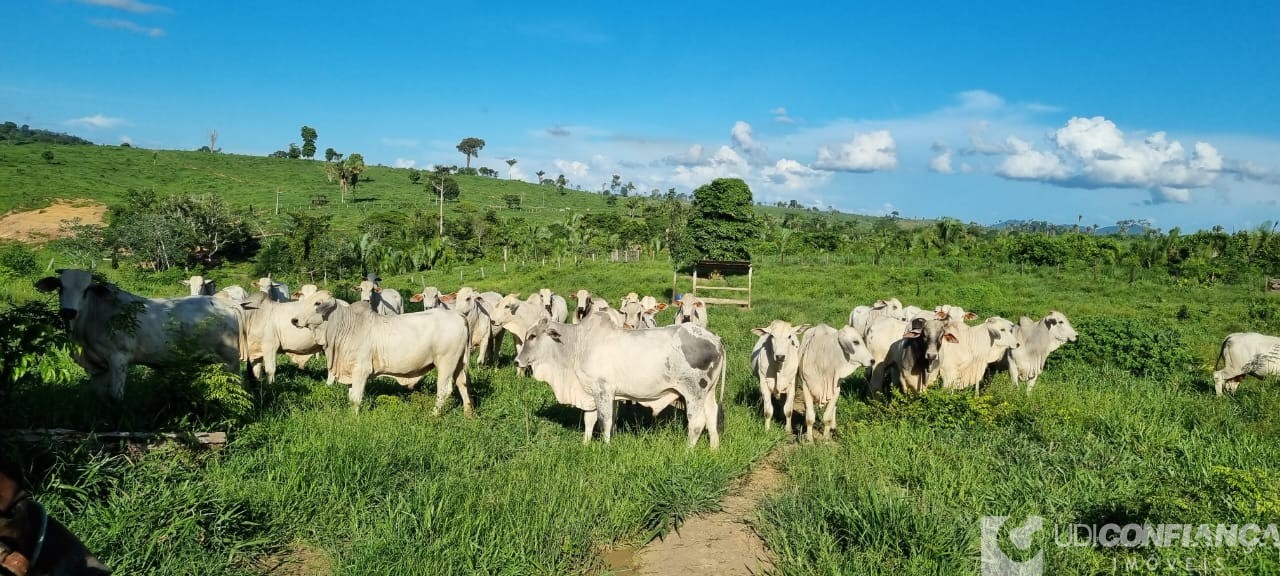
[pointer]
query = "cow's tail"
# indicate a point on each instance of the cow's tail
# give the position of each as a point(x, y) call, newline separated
point(1222, 352)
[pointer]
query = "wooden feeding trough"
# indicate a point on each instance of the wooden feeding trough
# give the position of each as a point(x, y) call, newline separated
point(704, 270)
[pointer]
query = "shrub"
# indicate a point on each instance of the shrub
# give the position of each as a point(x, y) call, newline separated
point(1145, 348)
point(1264, 314)
point(18, 259)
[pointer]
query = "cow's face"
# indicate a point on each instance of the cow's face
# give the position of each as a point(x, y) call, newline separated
point(891, 307)
point(315, 310)
point(1001, 331)
point(366, 289)
point(541, 343)
point(74, 287)
point(506, 309)
point(931, 333)
point(688, 306)
point(1060, 327)
point(198, 285)
point(429, 297)
point(304, 291)
point(783, 338)
point(854, 347)
point(463, 300)
point(545, 296)
point(583, 298)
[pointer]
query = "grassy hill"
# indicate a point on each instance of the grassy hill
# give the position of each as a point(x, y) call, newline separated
point(105, 173)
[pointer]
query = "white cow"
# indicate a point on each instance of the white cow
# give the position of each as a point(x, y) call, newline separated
point(690, 308)
point(827, 356)
point(516, 317)
point(233, 293)
point(1037, 340)
point(360, 344)
point(270, 331)
point(277, 291)
point(586, 303)
point(200, 286)
point(1245, 353)
point(467, 302)
point(553, 304)
point(384, 301)
point(640, 314)
point(913, 361)
point(430, 298)
point(305, 290)
point(592, 364)
point(963, 364)
point(115, 329)
point(862, 317)
point(775, 358)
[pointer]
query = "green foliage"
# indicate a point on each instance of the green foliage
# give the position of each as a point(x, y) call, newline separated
point(723, 224)
point(308, 142)
point(32, 345)
point(1145, 348)
point(945, 410)
point(471, 147)
point(11, 133)
point(1264, 314)
point(168, 231)
point(17, 259)
point(512, 201)
point(1253, 493)
point(47, 156)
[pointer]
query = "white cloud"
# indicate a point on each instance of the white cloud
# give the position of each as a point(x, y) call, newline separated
point(399, 142)
point(97, 121)
point(965, 168)
point(792, 175)
point(1027, 163)
point(572, 169)
point(941, 163)
point(744, 140)
point(127, 25)
point(127, 5)
point(724, 163)
point(126, 140)
point(404, 163)
point(690, 157)
point(980, 100)
point(1167, 195)
point(780, 115)
point(867, 152)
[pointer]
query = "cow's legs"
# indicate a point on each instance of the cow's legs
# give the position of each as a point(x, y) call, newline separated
point(829, 415)
point(766, 400)
point(588, 424)
point(604, 406)
point(1014, 373)
point(697, 417)
point(876, 375)
point(119, 368)
point(299, 360)
point(463, 379)
point(712, 409)
point(808, 413)
point(269, 363)
point(1031, 382)
point(444, 386)
point(788, 406)
point(356, 393)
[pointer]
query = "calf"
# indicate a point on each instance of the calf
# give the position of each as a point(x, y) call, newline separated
point(1243, 354)
point(1037, 339)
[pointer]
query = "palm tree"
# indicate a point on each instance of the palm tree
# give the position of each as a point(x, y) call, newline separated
point(511, 163)
point(540, 174)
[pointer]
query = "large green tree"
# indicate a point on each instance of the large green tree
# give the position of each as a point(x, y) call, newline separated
point(470, 147)
point(308, 142)
point(723, 226)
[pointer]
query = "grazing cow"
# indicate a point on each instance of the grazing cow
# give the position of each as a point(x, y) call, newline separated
point(278, 292)
point(690, 308)
point(233, 293)
point(1245, 353)
point(914, 359)
point(553, 304)
point(964, 364)
point(270, 331)
point(775, 359)
point(33, 543)
point(384, 301)
point(116, 329)
point(1037, 340)
point(592, 364)
point(826, 357)
point(360, 344)
point(200, 286)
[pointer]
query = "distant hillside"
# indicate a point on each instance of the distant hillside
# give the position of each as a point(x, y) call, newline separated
point(1135, 228)
point(11, 133)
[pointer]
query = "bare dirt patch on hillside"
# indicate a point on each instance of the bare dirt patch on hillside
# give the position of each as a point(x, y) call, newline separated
point(41, 225)
point(721, 543)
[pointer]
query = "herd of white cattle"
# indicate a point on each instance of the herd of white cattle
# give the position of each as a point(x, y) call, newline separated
point(591, 357)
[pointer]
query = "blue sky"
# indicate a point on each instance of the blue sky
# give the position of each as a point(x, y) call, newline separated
point(1110, 110)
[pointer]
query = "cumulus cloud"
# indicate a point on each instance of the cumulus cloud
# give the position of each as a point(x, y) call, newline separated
point(1095, 153)
point(97, 121)
point(941, 162)
point(780, 115)
point(127, 5)
point(744, 141)
point(128, 26)
point(404, 163)
point(792, 175)
point(866, 152)
point(572, 168)
point(690, 157)
point(724, 163)
point(515, 173)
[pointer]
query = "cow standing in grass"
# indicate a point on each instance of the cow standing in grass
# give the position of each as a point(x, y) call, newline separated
point(828, 356)
point(1037, 339)
point(775, 359)
point(1244, 354)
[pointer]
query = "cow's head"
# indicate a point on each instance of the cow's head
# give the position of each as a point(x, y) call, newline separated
point(583, 298)
point(199, 285)
point(546, 298)
point(75, 288)
point(1059, 327)
point(541, 343)
point(315, 311)
point(366, 289)
point(429, 297)
point(1002, 334)
point(463, 300)
point(506, 308)
point(951, 313)
point(854, 347)
point(304, 291)
point(888, 307)
point(688, 306)
point(929, 334)
point(634, 315)
point(783, 339)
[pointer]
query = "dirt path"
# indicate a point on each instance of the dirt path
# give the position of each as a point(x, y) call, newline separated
point(720, 543)
point(42, 225)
